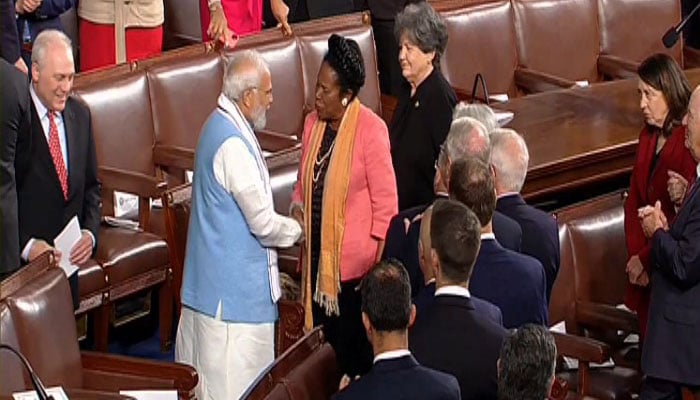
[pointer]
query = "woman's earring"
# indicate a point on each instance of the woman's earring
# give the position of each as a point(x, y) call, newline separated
point(344, 102)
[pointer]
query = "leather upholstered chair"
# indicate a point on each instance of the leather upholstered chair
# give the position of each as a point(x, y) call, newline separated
point(470, 51)
point(593, 247)
point(37, 317)
point(623, 45)
point(307, 371)
point(558, 43)
point(133, 260)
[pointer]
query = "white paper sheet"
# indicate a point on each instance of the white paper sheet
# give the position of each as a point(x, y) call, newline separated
point(65, 241)
point(501, 98)
point(503, 117)
point(56, 391)
point(150, 394)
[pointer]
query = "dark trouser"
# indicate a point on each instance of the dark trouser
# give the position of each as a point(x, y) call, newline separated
point(660, 389)
point(390, 78)
point(346, 333)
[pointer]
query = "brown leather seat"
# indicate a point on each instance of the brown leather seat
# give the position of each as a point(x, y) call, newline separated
point(12, 371)
point(93, 285)
point(470, 51)
point(558, 40)
point(41, 315)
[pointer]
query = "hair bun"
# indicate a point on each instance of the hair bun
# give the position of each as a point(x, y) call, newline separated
point(346, 59)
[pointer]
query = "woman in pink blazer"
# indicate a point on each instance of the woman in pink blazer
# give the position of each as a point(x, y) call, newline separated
point(344, 197)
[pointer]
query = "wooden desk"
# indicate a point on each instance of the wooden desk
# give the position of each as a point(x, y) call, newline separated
point(579, 137)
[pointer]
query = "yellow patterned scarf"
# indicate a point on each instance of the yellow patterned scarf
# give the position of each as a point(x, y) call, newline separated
point(335, 192)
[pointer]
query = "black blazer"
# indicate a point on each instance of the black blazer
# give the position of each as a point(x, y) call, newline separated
point(9, 37)
point(14, 153)
point(482, 307)
point(417, 130)
point(403, 245)
point(454, 339)
point(512, 281)
point(672, 346)
point(401, 379)
point(43, 212)
point(540, 234)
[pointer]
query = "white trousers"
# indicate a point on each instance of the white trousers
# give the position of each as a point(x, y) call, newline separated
point(227, 356)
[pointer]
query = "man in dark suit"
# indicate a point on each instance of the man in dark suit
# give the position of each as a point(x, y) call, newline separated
point(512, 281)
point(14, 145)
point(467, 138)
point(61, 182)
point(386, 314)
point(10, 44)
point(451, 336)
point(427, 294)
point(671, 352)
point(510, 159)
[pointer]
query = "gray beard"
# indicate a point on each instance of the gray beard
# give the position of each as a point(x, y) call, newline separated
point(259, 119)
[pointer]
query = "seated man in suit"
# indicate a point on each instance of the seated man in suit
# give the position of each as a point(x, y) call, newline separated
point(510, 159)
point(386, 314)
point(467, 138)
point(512, 281)
point(61, 181)
point(671, 354)
point(427, 294)
point(451, 336)
point(526, 366)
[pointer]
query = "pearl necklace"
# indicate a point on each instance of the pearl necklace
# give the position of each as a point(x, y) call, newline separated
point(320, 162)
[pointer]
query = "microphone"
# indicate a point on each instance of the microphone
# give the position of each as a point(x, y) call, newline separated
point(479, 78)
point(671, 36)
point(36, 382)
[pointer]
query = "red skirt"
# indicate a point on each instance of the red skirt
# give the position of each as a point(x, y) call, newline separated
point(97, 48)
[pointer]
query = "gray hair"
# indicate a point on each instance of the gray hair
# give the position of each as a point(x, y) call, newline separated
point(424, 27)
point(47, 38)
point(468, 138)
point(480, 112)
point(509, 158)
point(238, 78)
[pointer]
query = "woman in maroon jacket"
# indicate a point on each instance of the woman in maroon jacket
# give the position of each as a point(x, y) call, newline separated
point(662, 165)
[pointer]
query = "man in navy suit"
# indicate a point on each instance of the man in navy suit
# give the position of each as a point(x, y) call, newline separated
point(386, 314)
point(671, 352)
point(512, 281)
point(467, 138)
point(427, 294)
point(37, 16)
point(451, 336)
point(510, 159)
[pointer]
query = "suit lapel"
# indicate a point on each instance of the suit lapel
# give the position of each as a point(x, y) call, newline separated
point(43, 153)
point(72, 145)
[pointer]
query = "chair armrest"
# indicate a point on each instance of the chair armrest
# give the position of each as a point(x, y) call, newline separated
point(616, 67)
point(605, 317)
point(173, 156)
point(389, 104)
point(559, 390)
point(274, 142)
point(691, 58)
point(581, 348)
point(131, 182)
point(535, 81)
point(112, 373)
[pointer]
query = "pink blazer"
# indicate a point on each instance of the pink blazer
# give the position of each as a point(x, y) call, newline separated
point(372, 198)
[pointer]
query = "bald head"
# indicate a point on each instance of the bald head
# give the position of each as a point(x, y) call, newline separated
point(692, 122)
point(510, 158)
point(467, 138)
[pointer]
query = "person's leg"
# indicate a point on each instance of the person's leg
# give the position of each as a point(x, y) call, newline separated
point(390, 78)
point(250, 349)
point(659, 389)
point(355, 348)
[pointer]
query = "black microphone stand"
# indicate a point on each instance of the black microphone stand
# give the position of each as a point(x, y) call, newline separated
point(479, 78)
point(36, 382)
point(671, 36)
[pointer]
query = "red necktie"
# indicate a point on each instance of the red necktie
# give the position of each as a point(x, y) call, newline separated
point(57, 155)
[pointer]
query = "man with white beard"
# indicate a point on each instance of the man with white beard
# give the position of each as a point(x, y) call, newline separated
point(231, 281)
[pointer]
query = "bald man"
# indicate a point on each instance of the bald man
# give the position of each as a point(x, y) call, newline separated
point(427, 265)
point(671, 353)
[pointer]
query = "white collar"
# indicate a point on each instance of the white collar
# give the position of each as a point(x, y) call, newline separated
point(698, 170)
point(430, 281)
point(506, 194)
point(236, 114)
point(488, 236)
point(453, 290)
point(388, 355)
point(41, 109)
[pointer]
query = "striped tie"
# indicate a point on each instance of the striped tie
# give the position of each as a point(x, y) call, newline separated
point(57, 155)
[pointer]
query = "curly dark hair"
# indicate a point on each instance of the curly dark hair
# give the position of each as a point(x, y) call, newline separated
point(345, 58)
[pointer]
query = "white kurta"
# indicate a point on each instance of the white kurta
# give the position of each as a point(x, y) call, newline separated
point(228, 356)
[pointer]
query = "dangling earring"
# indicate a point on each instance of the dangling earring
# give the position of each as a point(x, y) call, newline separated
point(344, 102)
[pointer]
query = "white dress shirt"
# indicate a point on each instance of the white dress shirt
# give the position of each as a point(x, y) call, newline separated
point(389, 355)
point(698, 170)
point(453, 290)
point(488, 236)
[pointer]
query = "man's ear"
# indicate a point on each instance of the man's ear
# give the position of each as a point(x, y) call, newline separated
point(498, 367)
point(412, 316)
point(367, 324)
point(435, 262)
point(35, 72)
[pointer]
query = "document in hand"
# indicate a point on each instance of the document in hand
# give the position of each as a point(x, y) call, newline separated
point(65, 241)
